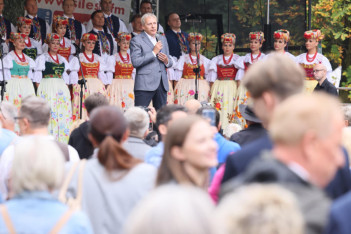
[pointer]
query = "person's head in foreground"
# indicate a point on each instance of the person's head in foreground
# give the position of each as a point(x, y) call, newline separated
point(173, 209)
point(189, 152)
point(270, 81)
point(259, 209)
point(38, 165)
point(307, 130)
point(108, 130)
point(33, 116)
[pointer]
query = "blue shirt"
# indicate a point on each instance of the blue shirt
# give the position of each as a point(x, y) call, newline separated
point(38, 212)
point(154, 155)
point(225, 147)
point(6, 137)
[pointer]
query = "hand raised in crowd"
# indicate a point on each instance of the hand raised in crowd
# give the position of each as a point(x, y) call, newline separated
point(152, 113)
point(157, 47)
point(161, 56)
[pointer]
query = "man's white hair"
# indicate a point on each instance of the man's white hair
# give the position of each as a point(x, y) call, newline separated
point(138, 121)
point(8, 111)
point(147, 15)
point(38, 165)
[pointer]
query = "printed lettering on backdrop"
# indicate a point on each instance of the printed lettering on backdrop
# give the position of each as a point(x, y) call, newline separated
point(84, 8)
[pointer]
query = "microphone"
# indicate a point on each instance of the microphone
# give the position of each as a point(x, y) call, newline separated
point(77, 49)
point(157, 37)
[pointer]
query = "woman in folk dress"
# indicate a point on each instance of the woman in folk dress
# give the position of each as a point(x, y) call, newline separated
point(67, 49)
point(33, 47)
point(121, 91)
point(51, 73)
point(311, 58)
point(94, 68)
point(256, 41)
point(185, 76)
point(223, 71)
point(281, 39)
point(18, 71)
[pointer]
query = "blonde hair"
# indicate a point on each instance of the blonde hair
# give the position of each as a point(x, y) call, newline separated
point(38, 165)
point(173, 209)
point(302, 113)
point(278, 74)
point(259, 209)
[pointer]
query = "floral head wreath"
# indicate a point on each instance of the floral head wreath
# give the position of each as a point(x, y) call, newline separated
point(282, 34)
point(59, 20)
point(15, 36)
point(51, 37)
point(257, 36)
point(313, 34)
point(23, 20)
point(228, 37)
point(195, 37)
point(122, 36)
point(89, 37)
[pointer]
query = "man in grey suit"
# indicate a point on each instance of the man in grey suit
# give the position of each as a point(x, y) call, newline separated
point(150, 57)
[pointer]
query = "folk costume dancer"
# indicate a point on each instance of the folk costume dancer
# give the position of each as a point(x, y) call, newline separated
point(51, 73)
point(311, 58)
point(94, 68)
point(185, 76)
point(223, 72)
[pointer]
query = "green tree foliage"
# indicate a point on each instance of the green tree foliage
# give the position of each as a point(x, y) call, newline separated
point(333, 17)
point(13, 9)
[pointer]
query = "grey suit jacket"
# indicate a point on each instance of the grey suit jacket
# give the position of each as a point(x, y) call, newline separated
point(149, 69)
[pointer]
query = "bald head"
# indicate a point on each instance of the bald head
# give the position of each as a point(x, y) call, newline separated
point(320, 72)
point(192, 105)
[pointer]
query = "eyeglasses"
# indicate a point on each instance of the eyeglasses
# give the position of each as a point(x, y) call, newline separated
point(314, 71)
point(19, 117)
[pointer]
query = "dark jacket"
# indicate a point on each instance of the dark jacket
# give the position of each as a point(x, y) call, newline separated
point(339, 218)
point(97, 49)
point(80, 141)
point(312, 201)
point(173, 43)
point(237, 163)
point(115, 25)
point(42, 24)
point(77, 27)
point(249, 134)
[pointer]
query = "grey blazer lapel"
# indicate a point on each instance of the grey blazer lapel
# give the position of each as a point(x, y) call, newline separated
point(147, 40)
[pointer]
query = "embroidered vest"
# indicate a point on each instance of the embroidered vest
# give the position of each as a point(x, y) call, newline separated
point(19, 70)
point(31, 52)
point(90, 70)
point(123, 70)
point(65, 52)
point(309, 70)
point(53, 70)
point(188, 71)
point(226, 72)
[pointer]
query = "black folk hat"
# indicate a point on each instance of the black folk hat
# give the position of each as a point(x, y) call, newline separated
point(248, 113)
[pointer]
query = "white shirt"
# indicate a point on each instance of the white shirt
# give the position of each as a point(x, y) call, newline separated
point(6, 165)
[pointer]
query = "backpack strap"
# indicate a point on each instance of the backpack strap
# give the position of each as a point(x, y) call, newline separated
point(7, 220)
point(73, 202)
point(62, 221)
